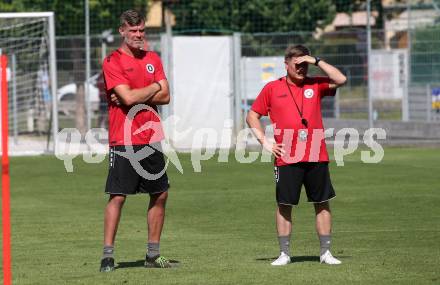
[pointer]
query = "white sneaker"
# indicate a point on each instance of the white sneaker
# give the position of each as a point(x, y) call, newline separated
point(283, 259)
point(328, 258)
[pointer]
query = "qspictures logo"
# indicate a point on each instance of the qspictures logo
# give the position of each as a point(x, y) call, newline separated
point(346, 142)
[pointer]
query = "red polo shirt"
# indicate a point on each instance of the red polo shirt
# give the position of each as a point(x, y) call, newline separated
point(120, 68)
point(276, 101)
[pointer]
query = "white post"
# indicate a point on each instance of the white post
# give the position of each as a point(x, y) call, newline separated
point(53, 81)
point(103, 50)
point(164, 50)
point(88, 110)
point(167, 58)
point(337, 109)
point(428, 102)
point(405, 99)
point(14, 96)
point(237, 81)
point(244, 91)
point(370, 99)
point(25, 15)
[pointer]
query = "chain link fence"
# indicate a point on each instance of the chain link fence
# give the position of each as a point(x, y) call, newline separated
point(403, 80)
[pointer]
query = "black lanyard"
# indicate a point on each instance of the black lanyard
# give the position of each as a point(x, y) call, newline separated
point(303, 120)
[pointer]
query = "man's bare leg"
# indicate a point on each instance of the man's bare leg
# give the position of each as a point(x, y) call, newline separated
point(155, 220)
point(284, 229)
point(324, 229)
point(156, 216)
point(112, 216)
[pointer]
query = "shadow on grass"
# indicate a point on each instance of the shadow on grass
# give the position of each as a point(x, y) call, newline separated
point(304, 258)
point(293, 258)
point(140, 263)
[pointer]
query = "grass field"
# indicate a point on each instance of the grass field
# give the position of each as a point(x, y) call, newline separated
point(220, 224)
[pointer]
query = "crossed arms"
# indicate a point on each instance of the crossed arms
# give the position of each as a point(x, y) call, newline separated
point(156, 93)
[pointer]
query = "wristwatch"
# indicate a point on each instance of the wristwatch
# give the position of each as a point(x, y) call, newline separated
point(317, 60)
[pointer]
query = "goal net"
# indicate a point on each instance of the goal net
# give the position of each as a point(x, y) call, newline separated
point(28, 41)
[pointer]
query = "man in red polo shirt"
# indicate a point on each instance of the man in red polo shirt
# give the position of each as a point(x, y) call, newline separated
point(135, 82)
point(293, 104)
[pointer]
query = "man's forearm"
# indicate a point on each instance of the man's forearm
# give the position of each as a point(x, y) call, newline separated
point(159, 99)
point(142, 95)
point(255, 125)
point(332, 72)
point(129, 97)
point(162, 97)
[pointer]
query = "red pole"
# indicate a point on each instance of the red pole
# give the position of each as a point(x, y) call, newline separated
point(5, 176)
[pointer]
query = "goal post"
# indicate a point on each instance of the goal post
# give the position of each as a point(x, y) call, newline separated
point(28, 40)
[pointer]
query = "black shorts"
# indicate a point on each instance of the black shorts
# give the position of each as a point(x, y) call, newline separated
point(314, 175)
point(146, 176)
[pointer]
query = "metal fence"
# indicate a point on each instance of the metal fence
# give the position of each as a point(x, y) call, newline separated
point(71, 63)
point(350, 56)
point(390, 53)
point(405, 51)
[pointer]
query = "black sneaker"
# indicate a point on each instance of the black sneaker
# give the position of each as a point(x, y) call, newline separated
point(157, 262)
point(107, 264)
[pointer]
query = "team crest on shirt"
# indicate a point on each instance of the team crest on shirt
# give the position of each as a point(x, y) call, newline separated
point(308, 93)
point(150, 68)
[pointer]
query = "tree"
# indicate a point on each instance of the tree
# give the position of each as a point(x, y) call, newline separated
point(424, 55)
point(69, 14)
point(253, 16)
point(70, 21)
